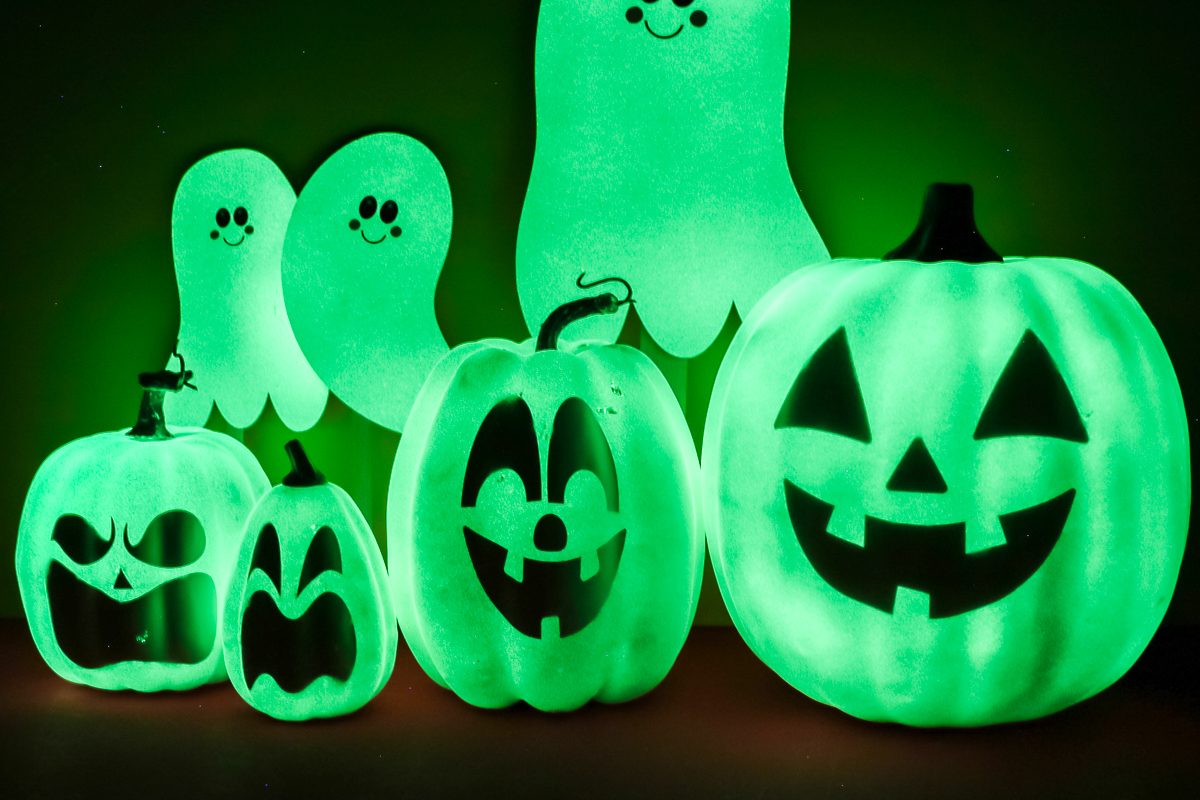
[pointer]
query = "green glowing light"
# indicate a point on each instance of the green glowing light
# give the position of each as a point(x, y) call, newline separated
point(124, 554)
point(544, 540)
point(946, 493)
point(663, 157)
point(360, 265)
point(309, 629)
point(227, 229)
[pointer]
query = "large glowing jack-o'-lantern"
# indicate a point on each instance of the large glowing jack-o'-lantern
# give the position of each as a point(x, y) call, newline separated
point(945, 488)
point(543, 521)
point(125, 548)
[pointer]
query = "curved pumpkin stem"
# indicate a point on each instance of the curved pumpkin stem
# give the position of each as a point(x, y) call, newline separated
point(302, 473)
point(151, 424)
point(576, 310)
point(946, 230)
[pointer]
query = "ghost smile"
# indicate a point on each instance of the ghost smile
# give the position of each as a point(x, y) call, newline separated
point(234, 244)
point(363, 234)
point(928, 558)
point(659, 35)
point(547, 588)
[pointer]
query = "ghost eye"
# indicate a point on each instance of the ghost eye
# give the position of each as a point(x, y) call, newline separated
point(826, 396)
point(222, 217)
point(682, 3)
point(240, 215)
point(173, 539)
point(1031, 398)
point(79, 540)
point(388, 213)
point(266, 555)
point(366, 209)
point(323, 555)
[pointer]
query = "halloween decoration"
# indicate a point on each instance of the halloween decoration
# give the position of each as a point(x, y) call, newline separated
point(945, 488)
point(361, 262)
point(125, 546)
point(544, 540)
point(227, 227)
point(660, 148)
point(310, 630)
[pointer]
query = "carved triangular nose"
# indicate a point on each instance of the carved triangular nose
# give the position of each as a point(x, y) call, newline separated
point(122, 582)
point(916, 472)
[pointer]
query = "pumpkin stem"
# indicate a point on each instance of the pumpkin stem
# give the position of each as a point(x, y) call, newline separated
point(946, 230)
point(151, 424)
point(576, 310)
point(302, 473)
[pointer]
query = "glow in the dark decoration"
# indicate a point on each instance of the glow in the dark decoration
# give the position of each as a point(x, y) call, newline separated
point(544, 536)
point(310, 629)
point(125, 548)
point(947, 492)
point(227, 227)
point(660, 149)
point(360, 265)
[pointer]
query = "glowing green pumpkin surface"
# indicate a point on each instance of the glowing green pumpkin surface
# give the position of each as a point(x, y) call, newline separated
point(310, 629)
point(364, 249)
point(660, 149)
point(124, 554)
point(227, 228)
point(543, 525)
point(947, 493)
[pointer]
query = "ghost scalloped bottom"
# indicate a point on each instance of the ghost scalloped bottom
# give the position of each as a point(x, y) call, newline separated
point(946, 488)
point(125, 547)
point(309, 627)
point(543, 527)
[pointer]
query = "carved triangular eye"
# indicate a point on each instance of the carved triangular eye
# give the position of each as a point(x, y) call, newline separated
point(506, 440)
point(1031, 398)
point(826, 395)
point(266, 555)
point(578, 443)
point(324, 555)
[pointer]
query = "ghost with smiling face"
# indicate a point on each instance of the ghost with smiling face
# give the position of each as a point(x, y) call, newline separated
point(364, 249)
point(227, 229)
point(660, 159)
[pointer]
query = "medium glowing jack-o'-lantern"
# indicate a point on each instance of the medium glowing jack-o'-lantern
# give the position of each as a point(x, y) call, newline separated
point(543, 521)
point(945, 488)
point(125, 548)
point(310, 629)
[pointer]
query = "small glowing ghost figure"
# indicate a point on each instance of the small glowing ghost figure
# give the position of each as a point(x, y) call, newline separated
point(364, 249)
point(227, 228)
point(660, 152)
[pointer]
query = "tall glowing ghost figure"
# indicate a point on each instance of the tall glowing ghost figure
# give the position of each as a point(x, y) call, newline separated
point(361, 262)
point(660, 153)
point(227, 227)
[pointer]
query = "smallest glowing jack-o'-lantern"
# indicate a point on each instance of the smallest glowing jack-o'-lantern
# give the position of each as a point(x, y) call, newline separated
point(125, 547)
point(310, 629)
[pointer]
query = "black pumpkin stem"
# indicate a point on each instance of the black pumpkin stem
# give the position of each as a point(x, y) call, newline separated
point(151, 423)
point(302, 473)
point(946, 230)
point(576, 310)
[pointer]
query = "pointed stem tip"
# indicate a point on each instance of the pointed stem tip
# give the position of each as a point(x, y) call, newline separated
point(302, 473)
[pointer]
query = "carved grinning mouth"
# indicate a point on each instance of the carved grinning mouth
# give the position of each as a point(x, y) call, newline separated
point(363, 234)
point(547, 588)
point(659, 35)
point(928, 558)
point(296, 652)
point(175, 622)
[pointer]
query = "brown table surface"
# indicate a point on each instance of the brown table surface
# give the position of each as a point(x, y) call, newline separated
point(721, 725)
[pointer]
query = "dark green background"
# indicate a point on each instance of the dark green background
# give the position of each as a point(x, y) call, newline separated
point(1075, 122)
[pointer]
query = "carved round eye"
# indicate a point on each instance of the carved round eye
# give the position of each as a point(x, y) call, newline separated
point(388, 213)
point(240, 215)
point(634, 15)
point(222, 217)
point(173, 539)
point(79, 540)
point(682, 3)
point(698, 18)
point(366, 209)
